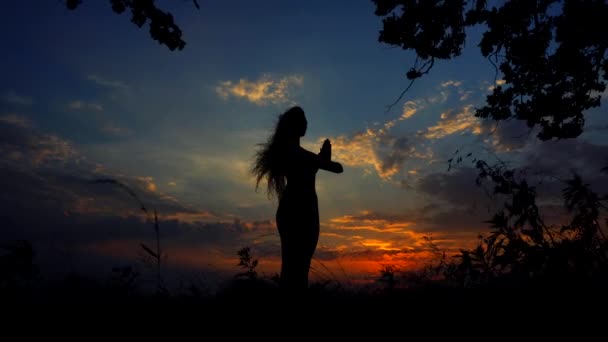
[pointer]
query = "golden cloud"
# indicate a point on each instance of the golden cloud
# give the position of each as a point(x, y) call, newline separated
point(409, 109)
point(263, 91)
point(376, 149)
point(368, 222)
point(148, 183)
point(451, 123)
point(497, 83)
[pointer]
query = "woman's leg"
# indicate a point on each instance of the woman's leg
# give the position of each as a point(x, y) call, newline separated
point(312, 236)
point(295, 257)
point(299, 231)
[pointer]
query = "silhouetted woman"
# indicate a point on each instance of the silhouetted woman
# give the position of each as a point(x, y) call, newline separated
point(290, 171)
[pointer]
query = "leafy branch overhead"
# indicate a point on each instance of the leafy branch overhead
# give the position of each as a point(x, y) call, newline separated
point(162, 27)
point(552, 53)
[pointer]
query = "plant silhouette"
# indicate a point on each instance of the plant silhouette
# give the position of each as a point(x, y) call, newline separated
point(247, 262)
point(163, 29)
point(522, 250)
point(17, 267)
point(157, 254)
point(291, 174)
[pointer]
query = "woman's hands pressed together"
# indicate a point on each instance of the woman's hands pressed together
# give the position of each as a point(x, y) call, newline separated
point(325, 152)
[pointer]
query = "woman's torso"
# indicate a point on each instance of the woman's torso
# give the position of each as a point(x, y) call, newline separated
point(301, 169)
point(298, 203)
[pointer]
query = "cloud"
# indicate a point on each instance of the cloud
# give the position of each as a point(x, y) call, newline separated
point(376, 149)
point(563, 157)
point(502, 137)
point(366, 241)
point(452, 122)
point(452, 204)
point(464, 95)
point(456, 188)
point(463, 224)
point(82, 105)
point(456, 203)
point(508, 135)
point(380, 150)
point(16, 120)
point(114, 130)
point(11, 97)
point(385, 153)
point(496, 84)
point(37, 155)
point(17, 139)
point(409, 109)
point(371, 232)
point(451, 84)
point(148, 183)
point(100, 81)
point(373, 222)
point(263, 91)
point(440, 97)
point(407, 230)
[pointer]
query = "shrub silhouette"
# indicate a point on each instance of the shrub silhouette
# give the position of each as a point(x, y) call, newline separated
point(248, 263)
point(17, 269)
point(522, 250)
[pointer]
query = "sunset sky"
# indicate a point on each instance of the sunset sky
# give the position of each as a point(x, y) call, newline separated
point(86, 95)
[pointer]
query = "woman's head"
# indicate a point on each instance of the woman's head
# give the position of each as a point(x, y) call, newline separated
point(270, 158)
point(292, 123)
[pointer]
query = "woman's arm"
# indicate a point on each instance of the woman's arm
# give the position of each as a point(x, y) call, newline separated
point(330, 166)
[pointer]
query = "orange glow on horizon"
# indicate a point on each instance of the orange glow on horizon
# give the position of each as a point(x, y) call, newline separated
point(380, 241)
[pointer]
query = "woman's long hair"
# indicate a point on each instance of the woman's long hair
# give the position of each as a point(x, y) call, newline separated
point(270, 157)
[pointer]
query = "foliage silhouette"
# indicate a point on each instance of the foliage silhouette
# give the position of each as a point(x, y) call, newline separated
point(17, 268)
point(162, 27)
point(387, 276)
point(124, 280)
point(248, 263)
point(522, 250)
point(552, 53)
